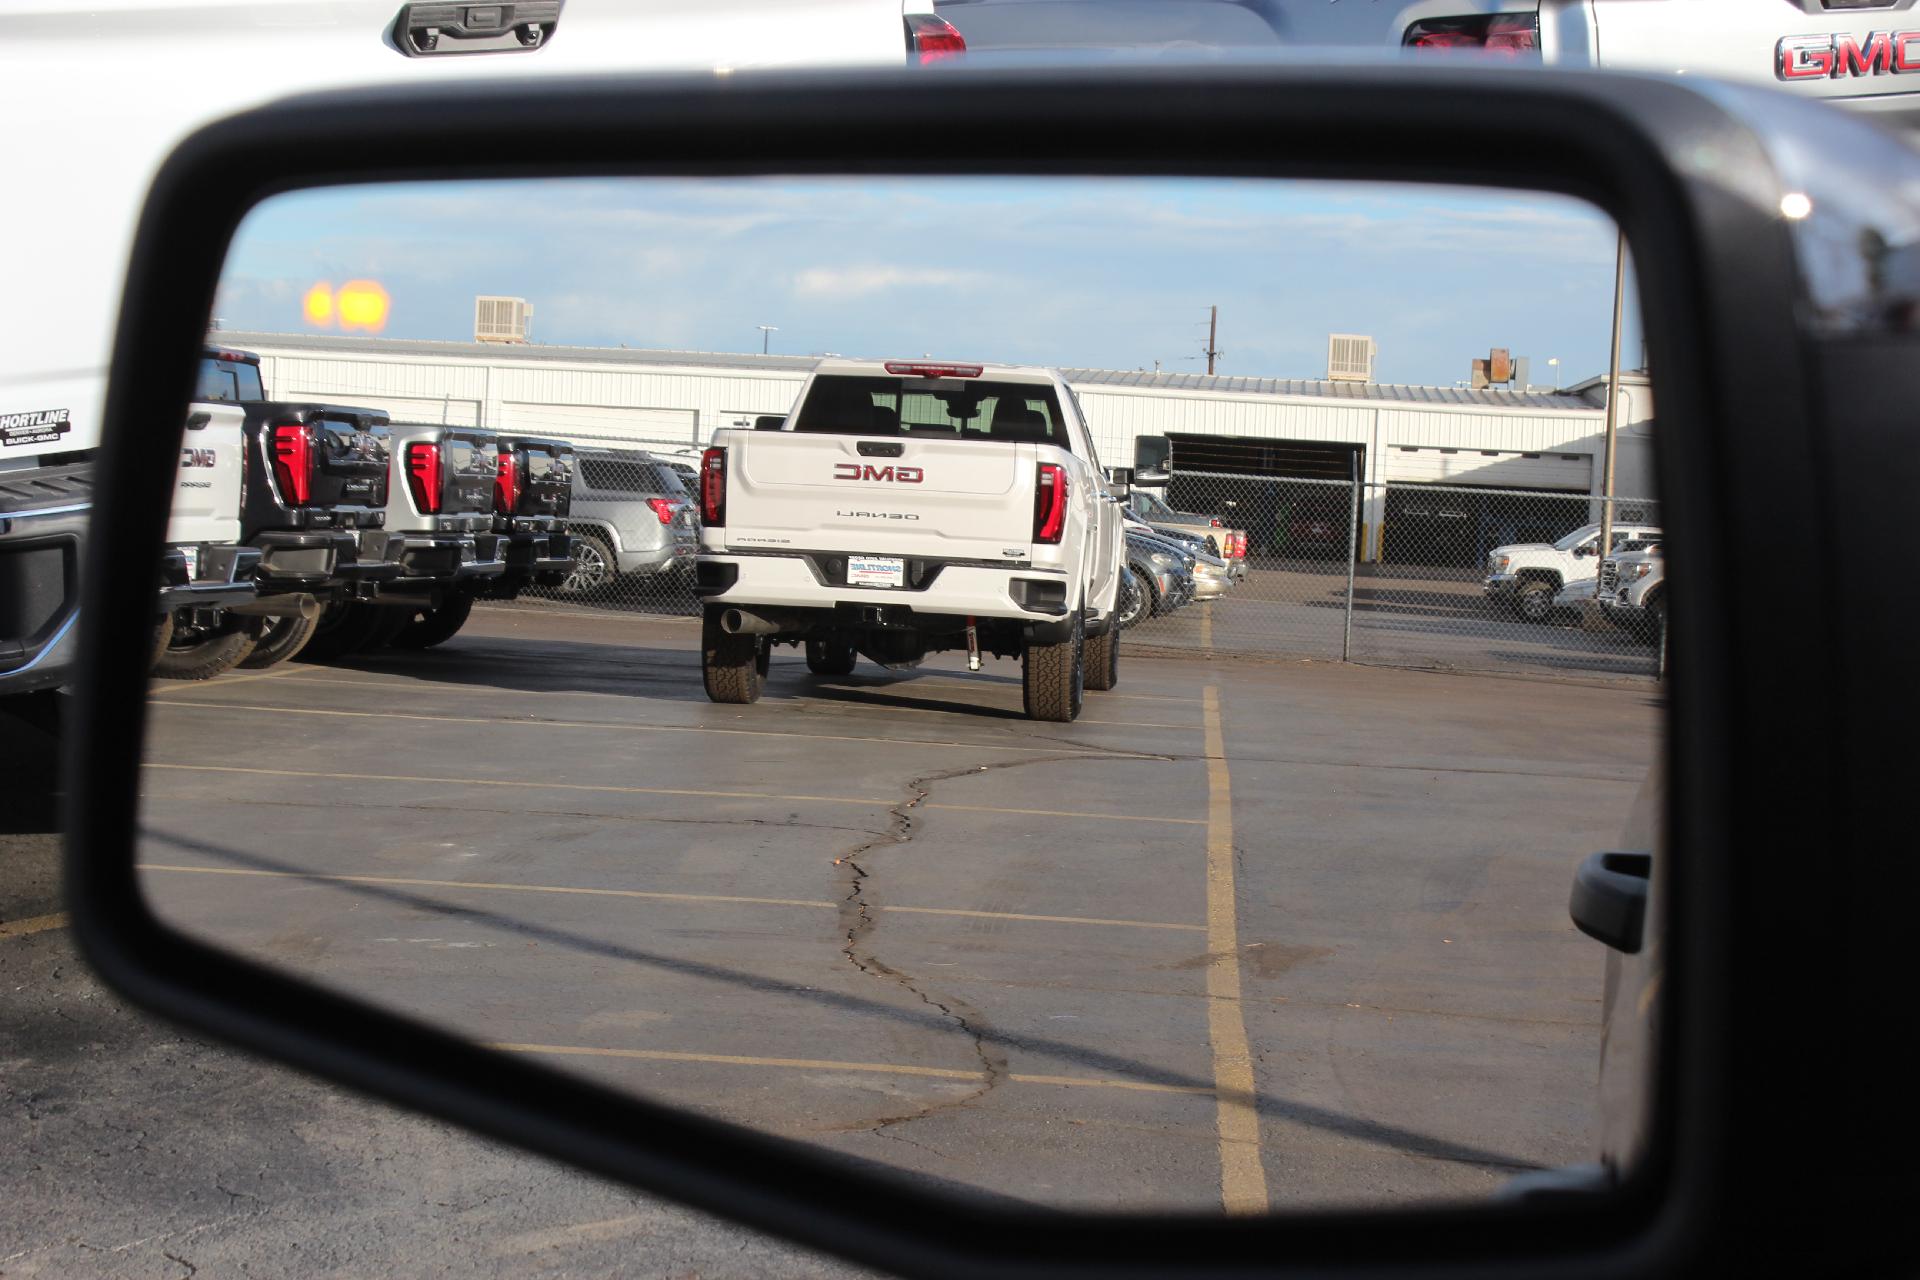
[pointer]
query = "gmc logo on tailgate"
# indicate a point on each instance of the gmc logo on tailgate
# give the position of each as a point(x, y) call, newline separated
point(1844, 57)
point(883, 475)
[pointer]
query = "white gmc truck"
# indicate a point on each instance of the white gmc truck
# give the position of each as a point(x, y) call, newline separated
point(908, 507)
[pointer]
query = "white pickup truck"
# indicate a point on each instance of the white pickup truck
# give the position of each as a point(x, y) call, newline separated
point(909, 507)
point(1526, 576)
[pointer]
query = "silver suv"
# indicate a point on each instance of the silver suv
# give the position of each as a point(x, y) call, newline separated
point(631, 517)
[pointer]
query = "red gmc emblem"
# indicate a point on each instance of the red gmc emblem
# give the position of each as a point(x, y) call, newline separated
point(884, 475)
point(1832, 57)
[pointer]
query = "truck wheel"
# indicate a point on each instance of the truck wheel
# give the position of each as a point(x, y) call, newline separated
point(1656, 624)
point(1103, 659)
point(1137, 604)
point(830, 657)
point(194, 654)
point(734, 668)
point(162, 636)
point(1053, 676)
point(1534, 600)
point(343, 628)
point(277, 639)
point(432, 626)
point(593, 567)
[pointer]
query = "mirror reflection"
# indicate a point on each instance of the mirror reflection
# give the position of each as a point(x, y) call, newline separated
point(1090, 692)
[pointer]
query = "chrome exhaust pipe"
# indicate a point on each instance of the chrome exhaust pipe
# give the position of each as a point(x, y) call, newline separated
point(739, 622)
point(294, 604)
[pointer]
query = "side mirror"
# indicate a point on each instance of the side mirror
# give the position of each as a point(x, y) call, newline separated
point(1119, 481)
point(1609, 900)
point(1152, 461)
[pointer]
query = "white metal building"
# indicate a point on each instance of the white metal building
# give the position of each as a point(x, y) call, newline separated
point(1396, 435)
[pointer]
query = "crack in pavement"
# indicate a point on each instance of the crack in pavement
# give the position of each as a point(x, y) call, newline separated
point(857, 918)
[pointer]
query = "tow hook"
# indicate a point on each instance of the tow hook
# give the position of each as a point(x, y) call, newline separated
point(973, 646)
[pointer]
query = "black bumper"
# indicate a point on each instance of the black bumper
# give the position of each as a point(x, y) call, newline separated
point(40, 552)
point(225, 577)
point(318, 562)
point(439, 558)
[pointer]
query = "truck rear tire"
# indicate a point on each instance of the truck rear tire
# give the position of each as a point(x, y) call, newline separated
point(1103, 659)
point(733, 667)
point(1053, 677)
point(204, 655)
point(831, 657)
point(430, 627)
point(277, 639)
point(343, 628)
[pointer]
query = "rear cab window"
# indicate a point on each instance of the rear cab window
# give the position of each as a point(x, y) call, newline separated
point(228, 381)
point(938, 408)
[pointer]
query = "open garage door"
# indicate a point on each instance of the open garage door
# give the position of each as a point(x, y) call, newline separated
point(1497, 469)
point(1457, 525)
point(1292, 497)
point(611, 426)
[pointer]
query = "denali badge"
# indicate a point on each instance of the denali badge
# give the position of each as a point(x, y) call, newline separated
point(885, 475)
point(878, 515)
point(1833, 57)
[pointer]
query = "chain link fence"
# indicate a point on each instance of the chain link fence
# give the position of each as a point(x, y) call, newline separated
point(1423, 575)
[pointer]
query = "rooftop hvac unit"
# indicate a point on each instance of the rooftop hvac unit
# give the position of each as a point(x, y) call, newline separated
point(1349, 357)
point(501, 319)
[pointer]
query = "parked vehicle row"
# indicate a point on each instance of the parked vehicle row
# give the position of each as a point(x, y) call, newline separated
point(1222, 542)
point(1526, 577)
point(306, 526)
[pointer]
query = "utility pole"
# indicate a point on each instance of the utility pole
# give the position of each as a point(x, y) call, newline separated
point(1213, 334)
point(1613, 398)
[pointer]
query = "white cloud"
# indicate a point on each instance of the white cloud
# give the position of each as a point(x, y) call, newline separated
point(858, 281)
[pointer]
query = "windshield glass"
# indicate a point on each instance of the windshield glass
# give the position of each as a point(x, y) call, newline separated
point(1577, 537)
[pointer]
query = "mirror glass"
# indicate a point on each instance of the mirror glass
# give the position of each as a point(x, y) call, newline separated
point(677, 630)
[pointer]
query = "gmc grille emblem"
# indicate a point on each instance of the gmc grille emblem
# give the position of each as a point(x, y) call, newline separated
point(1834, 57)
point(882, 475)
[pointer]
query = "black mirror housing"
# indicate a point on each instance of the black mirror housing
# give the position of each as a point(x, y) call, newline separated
point(1690, 174)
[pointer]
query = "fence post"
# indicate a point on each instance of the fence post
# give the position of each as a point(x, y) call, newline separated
point(1353, 553)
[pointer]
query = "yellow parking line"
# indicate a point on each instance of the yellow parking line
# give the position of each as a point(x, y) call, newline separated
point(1243, 1179)
point(603, 788)
point(830, 1064)
point(657, 896)
point(229, 679)
point(32, 924)
point(642, 728)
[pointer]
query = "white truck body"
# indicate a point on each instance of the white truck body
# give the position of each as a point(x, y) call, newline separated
point(206, 494)
point(1528, 575)
point(877, 506)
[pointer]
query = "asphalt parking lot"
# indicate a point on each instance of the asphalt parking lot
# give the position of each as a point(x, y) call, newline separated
point(1253, 934)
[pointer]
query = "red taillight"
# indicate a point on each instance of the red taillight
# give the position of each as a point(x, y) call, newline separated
point(293, 462)
point(423, 476)
point(664, 508)
point(1236, 544)
point(918, 369)
point(932, 39)
point(506, 482)
point(1511, 35)
point(1215, 522)
point(1050, 503)
point(713, 488)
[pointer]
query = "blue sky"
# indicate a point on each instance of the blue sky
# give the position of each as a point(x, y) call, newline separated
point(1078, 272)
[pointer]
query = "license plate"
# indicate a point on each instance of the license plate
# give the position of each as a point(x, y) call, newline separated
point(193, 561)
point(876, 571)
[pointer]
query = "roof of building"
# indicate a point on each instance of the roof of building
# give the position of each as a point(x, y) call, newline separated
point(1323, 388)
point(1320, 388)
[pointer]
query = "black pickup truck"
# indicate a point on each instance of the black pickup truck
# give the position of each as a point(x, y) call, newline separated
point(313, 505)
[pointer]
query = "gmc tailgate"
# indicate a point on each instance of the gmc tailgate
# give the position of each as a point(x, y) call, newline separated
point(934, 499)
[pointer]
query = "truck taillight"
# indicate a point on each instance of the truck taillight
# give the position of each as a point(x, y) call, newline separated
point(423, 476)
point(932, 39)
point(1050, 503)
point(506, 482)
point(664, 508)
point(1236, 544)
point(713, 488)
point(1511, 35)
point(293, 462)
